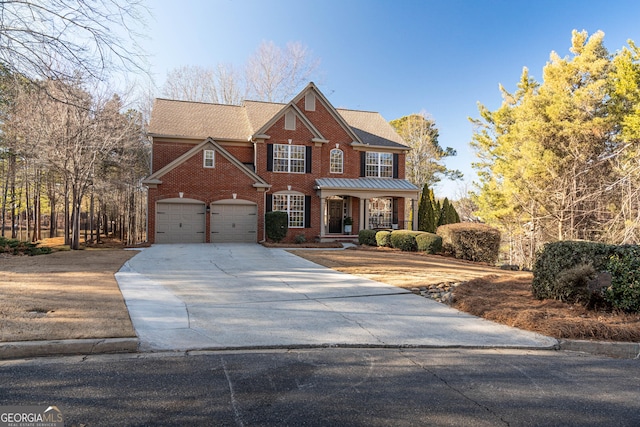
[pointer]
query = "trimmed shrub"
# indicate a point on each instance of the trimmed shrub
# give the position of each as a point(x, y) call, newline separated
point(557, 257)
point(470, 241)
point(405, 240)
point(277, 225)
point(560, 260)
point(383, 238)
point(367, 237)
point(429, 242)
point(572, 285)
point(624, 266)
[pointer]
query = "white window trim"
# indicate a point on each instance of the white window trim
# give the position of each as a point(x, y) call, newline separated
point(288, 197)
point(378, 217)
point(336, 150)
point(378, 165)
point(288, 158)
point(212, 158)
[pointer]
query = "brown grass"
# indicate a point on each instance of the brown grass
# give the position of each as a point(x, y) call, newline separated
point(73, 294)
point(501, 296)
point(65, 295)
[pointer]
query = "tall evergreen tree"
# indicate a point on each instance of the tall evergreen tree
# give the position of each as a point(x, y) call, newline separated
point(426, 217)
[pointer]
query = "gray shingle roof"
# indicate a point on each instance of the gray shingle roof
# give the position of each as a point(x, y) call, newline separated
point(372, 128)
point(364, 184)
point(200, 120)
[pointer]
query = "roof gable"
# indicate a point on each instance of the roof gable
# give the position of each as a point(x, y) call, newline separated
point(299, 115)
point(208, 143)
point(311, 87)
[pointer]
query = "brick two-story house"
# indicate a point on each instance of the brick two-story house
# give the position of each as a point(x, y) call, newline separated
point(217, 169)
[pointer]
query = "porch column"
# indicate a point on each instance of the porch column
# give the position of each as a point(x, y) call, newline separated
point(323, 216)
point(364, 218)
point(414, 221)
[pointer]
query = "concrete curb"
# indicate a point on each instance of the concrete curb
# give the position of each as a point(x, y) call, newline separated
point(619, 350)
point(26, 349)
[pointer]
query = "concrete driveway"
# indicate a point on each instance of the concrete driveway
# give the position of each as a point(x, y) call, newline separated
point(217, 296)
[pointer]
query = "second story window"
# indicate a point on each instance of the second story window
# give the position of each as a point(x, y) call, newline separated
point(379, 165)
point(289, 158)
point(336, 161)
point(209, 159)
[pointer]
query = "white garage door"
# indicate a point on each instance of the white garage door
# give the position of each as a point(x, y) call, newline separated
point(234, 223)
point(180, 222)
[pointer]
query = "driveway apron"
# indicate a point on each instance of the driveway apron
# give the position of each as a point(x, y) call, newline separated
point(218, 296)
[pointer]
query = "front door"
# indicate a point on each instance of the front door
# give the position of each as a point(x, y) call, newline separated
point(335, 216)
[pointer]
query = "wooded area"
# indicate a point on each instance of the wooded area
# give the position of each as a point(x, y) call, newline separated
point(71, 155)
point(72, 162)
point(560, 160)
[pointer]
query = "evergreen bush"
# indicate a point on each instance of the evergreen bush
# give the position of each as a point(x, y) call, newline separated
point(470, 241)
point(405, 240)
point(367, 237)
point(17, 247)
point(383, 238)
point(572, 285)
point(557, 257)
point(429, 242)
point(624, 266)
point(277, 225)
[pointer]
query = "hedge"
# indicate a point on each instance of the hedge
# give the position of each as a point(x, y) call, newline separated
point(429, 242)
point(383, 238)
point(470, 241)
point(559, 257)
point(367, 237)
point(576, 271)
point(405, 240)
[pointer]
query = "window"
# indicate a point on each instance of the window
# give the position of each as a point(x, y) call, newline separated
point(336, 161)
point(380, 213)
point(379, 165)
point(209, 156)
point(293, 205)
point(290, 120)
point(310, 101)
point(289, 158)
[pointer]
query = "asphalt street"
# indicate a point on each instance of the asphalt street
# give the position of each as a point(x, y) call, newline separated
point(331, 387)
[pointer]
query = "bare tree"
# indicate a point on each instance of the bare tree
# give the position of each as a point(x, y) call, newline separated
point(275, 75)
point(191, 83)
point(77, 136)
point(42, 39)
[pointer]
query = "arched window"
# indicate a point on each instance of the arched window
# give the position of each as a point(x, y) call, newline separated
point(336, 161)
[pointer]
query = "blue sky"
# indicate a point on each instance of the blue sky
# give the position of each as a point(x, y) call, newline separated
point(395, 57)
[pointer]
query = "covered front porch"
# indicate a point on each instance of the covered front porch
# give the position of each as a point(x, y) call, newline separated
point(350, 205)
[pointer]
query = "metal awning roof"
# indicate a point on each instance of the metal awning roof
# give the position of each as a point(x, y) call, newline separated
point(373, 184)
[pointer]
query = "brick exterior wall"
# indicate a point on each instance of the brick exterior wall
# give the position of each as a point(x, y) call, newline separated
point(207, 185)
point(219, 183)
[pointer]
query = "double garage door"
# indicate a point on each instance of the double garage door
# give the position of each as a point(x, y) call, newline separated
point(186, 222)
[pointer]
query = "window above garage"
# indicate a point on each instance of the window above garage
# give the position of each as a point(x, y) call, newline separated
point(209, 159)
